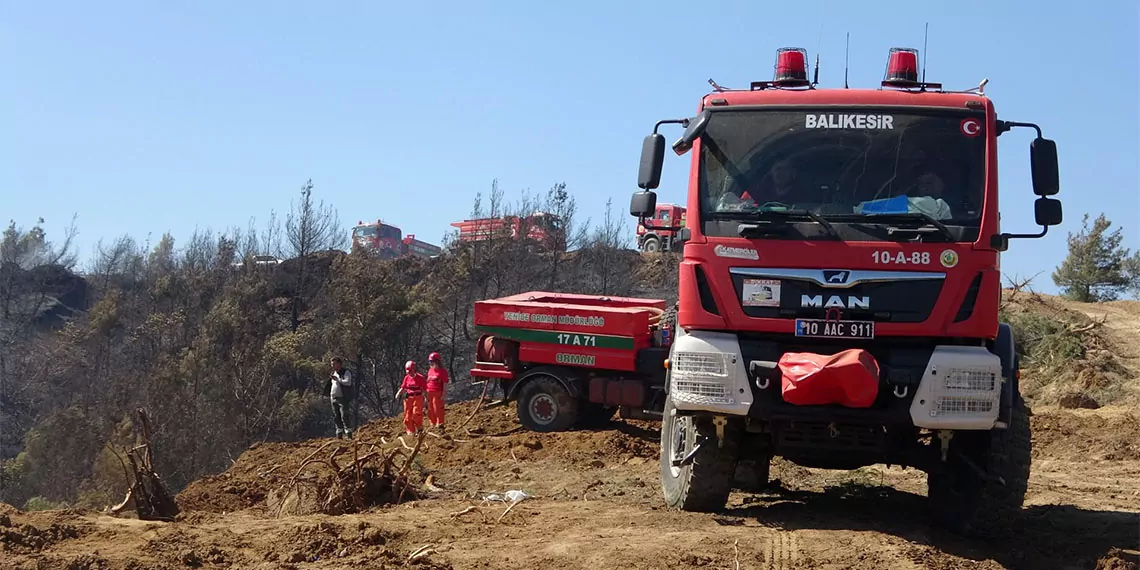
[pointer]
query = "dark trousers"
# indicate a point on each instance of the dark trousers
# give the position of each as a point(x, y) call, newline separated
point(341, 413)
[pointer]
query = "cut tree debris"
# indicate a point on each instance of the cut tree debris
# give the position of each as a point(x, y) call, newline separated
point(148, 494)
point(369, 479)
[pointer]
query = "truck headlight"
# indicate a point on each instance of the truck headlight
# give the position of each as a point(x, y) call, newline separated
point(701, 377)
point(708, 364)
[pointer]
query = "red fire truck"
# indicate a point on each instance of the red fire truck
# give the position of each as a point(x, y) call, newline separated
point(388, 242)
point(839, 288)
point(543, 228)
point(667, 221)
point(573, 360)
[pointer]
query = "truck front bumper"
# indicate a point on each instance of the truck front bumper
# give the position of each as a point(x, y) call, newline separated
point(924, 385)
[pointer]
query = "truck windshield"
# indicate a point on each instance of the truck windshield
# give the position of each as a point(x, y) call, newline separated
point(550, 222)
point(844, 163)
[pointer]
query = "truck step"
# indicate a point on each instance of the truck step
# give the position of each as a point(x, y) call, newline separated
point(490, 365)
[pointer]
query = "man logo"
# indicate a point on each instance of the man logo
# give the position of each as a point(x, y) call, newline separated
point(835, 302)
point(836, 277)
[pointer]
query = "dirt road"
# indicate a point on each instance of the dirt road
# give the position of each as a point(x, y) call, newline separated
point(596, 505)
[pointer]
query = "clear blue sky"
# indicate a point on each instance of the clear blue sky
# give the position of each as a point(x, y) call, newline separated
point(144, 117)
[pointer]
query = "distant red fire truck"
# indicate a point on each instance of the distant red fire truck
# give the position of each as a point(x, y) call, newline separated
point(666, 223)
point(543, 228)
point(388, 242)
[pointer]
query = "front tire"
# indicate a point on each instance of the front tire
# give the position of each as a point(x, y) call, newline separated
point(963, 501)
point(704, 484)
point(651, 245)
point(544, 405)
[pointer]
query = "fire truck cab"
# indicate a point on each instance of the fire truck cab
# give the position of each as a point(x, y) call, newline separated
point(388, 242)
point(667, 222)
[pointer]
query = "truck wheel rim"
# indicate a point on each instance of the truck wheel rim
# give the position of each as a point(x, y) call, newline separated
point(543, 409)
point(679, 443)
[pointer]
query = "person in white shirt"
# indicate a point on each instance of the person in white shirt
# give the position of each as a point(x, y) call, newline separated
point(928, 197)
point(340, 395)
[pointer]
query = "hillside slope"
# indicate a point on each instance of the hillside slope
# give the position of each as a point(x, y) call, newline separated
point(1077, 355)
point(596, 502)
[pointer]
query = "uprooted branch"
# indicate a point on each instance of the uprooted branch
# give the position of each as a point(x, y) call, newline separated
point(350, 486)
point(471, 509)
point(151, 499)
point(479, 406)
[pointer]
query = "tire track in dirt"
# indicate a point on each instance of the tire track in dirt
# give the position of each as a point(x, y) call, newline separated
point(782, 550)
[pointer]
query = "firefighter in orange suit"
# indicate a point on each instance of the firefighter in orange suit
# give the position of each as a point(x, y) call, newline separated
point(413, 391)
point(436, 381)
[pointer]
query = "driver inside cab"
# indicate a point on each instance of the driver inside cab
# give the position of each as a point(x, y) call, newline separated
point(776, 185)
point(927, 197)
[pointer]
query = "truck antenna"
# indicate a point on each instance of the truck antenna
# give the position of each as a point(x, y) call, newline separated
point(925, 37)
point(815, 80)
point(716, 87)
point(846, 59)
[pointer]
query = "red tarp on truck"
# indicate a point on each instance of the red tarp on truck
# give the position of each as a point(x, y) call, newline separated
point(849, 378)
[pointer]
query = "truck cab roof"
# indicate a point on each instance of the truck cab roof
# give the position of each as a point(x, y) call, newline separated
point(845, 97)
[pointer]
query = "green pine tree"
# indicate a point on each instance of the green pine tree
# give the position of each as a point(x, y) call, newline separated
point(1098, 268)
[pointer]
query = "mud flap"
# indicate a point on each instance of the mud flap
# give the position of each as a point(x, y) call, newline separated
point(1004, 348)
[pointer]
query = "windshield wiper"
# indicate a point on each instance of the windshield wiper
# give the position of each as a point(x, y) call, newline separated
point(782, 215)
point(917, 217)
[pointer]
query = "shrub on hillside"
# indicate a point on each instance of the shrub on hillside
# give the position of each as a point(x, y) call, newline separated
point(1065, 360)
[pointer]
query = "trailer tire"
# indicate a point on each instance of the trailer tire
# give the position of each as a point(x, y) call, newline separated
point(544, 405)
point(966, 503)
point(704, 484)
point(651, 244)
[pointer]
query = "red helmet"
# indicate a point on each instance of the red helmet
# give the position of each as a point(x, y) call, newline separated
point(434, 357)
point(410, 366)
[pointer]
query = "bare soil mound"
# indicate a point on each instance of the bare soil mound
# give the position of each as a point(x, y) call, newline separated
point(1106, 434)
point(493, 435)
point(19, 537)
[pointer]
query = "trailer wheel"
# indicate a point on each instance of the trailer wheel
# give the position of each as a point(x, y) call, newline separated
point(704, 484)
point(544, 405)
point(651, 244)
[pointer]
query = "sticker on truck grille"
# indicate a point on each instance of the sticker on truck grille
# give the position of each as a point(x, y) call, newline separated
point(760, 293)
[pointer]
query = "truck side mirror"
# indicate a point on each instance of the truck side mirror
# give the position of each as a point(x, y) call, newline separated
point(693, 131)
point(643, 204)
point(1047, 212)
point(1043, 164)
point(652, 157)
point(683, 235)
